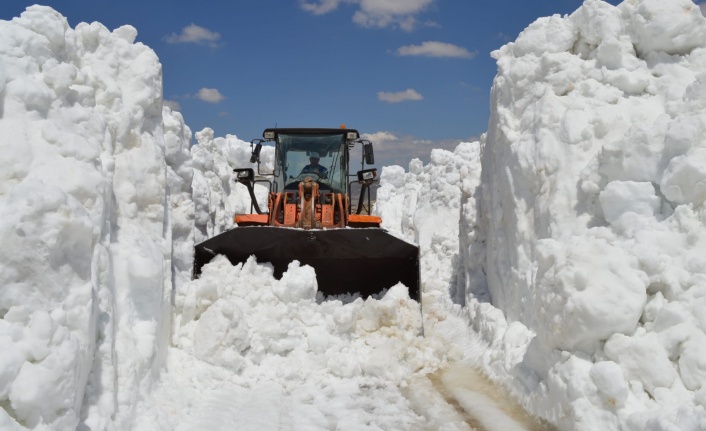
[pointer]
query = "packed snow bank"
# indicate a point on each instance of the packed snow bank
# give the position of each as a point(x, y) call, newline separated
point(423, 206)
point(93, 219)
point(591, 217)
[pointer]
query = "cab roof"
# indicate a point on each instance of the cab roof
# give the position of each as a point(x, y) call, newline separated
point(310, 131)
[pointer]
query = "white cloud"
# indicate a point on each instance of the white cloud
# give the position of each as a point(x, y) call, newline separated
point(394, 149)
point(379, 137)
point(320, 8)
point(210, 95)
point(401, 96)
point(375, 13)
point(172, 104)
point(193, 33)
point(436, 49)
point(702, 6)
point(394, 7)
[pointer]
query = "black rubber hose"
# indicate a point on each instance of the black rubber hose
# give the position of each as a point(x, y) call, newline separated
point(251, 190)
point(363, 189)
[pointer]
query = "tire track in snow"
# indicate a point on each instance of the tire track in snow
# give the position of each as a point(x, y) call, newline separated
point(483, 405)
point(428, 402)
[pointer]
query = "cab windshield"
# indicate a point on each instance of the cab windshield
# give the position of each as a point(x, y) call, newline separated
point(320, 157)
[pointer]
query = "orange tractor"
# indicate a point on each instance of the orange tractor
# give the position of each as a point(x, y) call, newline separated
point(310, 218)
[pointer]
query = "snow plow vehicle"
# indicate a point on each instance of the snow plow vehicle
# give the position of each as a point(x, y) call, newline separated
point(310, 218)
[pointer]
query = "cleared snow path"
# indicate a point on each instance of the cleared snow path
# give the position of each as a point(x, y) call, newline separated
point(257, 353)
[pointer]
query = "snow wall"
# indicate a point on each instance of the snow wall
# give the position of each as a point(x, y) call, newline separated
point(591, 215)
point(95, 197)
point(576, 251)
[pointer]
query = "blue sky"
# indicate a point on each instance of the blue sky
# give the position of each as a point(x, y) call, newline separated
point(415, 73)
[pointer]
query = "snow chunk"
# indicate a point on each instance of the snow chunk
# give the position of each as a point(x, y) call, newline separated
point(684, 180)
point(692, 362)
point(590, 289)
point(297, 283)
point(550, 34)
point(221, 334)
point(630, 354)
point(620, 197)
point(675, 27)
point(608, 378)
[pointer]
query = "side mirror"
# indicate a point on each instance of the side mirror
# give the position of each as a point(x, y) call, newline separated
point(245, 176)
point(367, 175)
point(255, 157)
point(368, 153)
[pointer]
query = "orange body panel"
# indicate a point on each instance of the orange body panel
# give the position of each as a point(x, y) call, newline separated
point(327, 212)
point(309, 209)
point(360, 220)
point(251, 219)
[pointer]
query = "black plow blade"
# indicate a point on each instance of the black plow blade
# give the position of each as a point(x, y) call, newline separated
point(364, 261)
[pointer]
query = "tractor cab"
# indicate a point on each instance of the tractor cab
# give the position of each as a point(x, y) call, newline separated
point(323, 157)
point(306, 161)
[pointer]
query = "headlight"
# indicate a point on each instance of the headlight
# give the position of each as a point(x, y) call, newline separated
point(269, 134)
point(351, 136)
